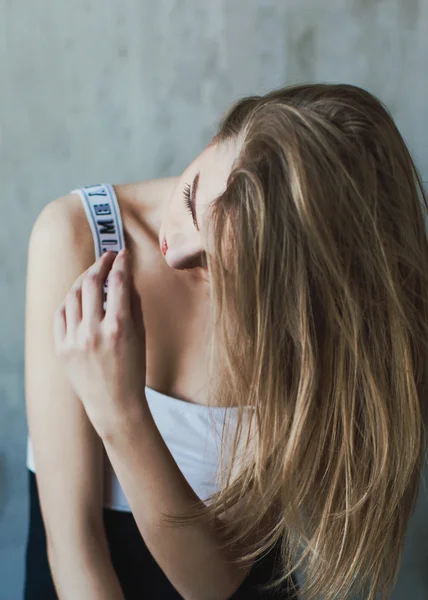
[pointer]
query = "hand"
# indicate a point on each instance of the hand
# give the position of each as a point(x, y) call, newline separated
point(104, 353)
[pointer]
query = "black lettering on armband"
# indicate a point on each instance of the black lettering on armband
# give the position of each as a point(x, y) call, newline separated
point(102, 209)
point(106, 226)
point(100, 192)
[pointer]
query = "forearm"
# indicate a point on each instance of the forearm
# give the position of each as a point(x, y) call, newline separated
point(153, 484)
point(84, 571)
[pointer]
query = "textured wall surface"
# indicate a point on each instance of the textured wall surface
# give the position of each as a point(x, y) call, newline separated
point(102, 90)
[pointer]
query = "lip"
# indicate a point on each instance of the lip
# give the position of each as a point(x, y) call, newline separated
point(164, 246)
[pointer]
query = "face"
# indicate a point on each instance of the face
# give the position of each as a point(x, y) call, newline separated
point(184, 217)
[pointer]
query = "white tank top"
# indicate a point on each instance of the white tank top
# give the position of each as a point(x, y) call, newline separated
point(191, 431)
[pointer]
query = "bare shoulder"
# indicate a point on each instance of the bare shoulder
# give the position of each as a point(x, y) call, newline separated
point(62, 234)
point(60, 245)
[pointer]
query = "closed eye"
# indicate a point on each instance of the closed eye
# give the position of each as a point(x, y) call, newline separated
point(189, 194)
point(187, 199)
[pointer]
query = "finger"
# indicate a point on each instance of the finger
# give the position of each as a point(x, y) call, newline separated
point(82, 276)
point(118, 301)
point(93, 287)
point(73, 308)
point(78, 282)
point(59, 325)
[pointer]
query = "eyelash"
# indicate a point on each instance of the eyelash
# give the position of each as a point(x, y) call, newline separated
point(186, 194)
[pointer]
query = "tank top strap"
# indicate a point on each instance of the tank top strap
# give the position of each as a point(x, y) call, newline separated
point(103, 213)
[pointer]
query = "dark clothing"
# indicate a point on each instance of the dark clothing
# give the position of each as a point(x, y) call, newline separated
point(139, 574)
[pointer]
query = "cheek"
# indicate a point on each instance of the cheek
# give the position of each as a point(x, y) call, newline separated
point(169, 215)
point(176, 215)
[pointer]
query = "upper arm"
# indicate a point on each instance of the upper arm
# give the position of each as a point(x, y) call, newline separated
point(67, 451)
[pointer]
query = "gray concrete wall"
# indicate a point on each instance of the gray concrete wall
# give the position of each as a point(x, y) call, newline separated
point(102, 90)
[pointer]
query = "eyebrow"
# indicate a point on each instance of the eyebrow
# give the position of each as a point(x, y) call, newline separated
point(193, 196)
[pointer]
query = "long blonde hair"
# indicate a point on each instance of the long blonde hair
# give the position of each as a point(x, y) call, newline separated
point(318, 266)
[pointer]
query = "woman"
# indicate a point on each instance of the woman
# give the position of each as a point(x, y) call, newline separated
point(288, 308)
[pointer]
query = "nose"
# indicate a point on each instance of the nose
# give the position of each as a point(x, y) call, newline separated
point(164, 246)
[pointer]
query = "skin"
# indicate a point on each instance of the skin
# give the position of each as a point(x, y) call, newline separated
point(173, 292)
point(103, 355)
point(174, 288)
point(184, 238)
